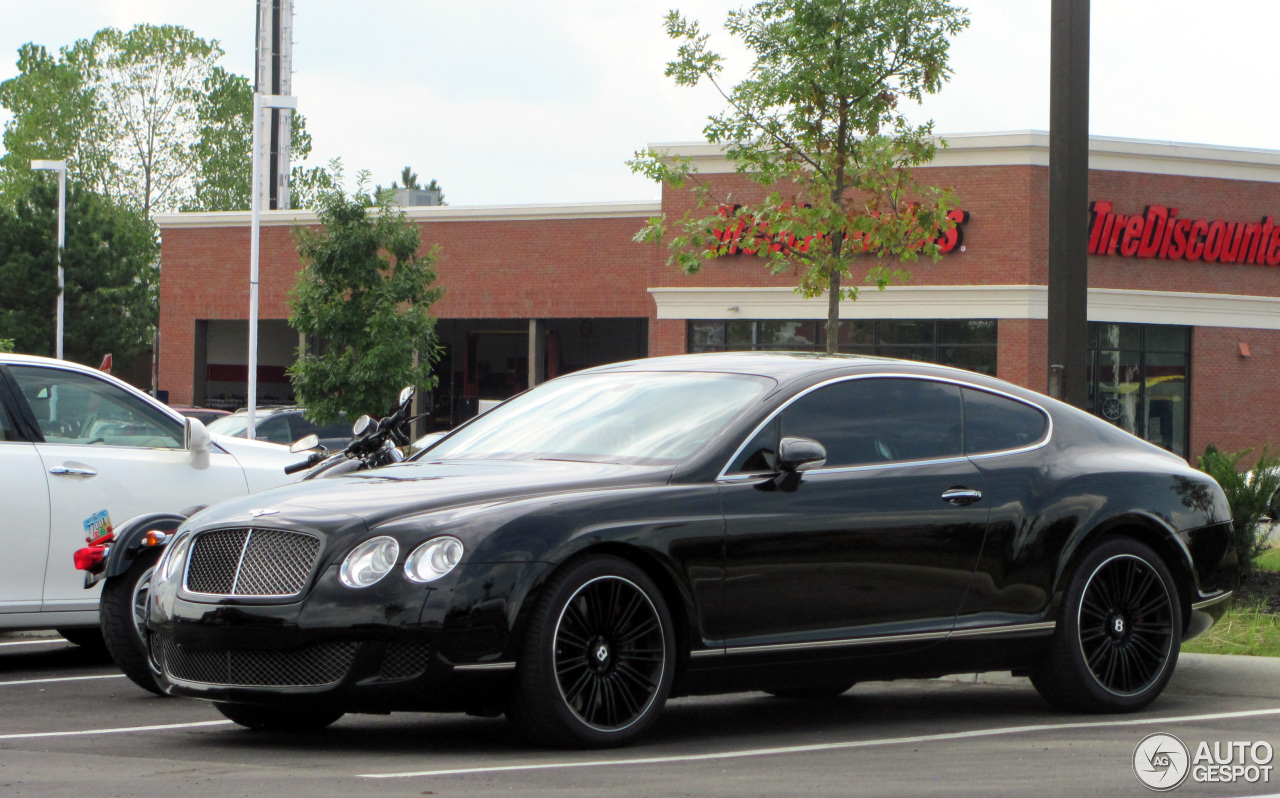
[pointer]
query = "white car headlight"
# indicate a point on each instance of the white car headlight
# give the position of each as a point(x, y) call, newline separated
point(369, 562)
point(433, 559)
point(175, 554)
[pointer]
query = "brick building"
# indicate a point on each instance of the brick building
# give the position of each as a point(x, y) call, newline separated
point(1184, 298)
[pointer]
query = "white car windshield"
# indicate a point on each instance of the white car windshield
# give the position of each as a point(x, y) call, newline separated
point(616, 417)
point(229, 425)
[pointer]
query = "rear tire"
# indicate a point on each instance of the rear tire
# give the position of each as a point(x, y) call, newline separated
point(279, 719)
point(123, 620)
point(1118, 633)
point(598, 658)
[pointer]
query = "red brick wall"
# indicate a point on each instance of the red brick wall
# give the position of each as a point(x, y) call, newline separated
point(591, 268)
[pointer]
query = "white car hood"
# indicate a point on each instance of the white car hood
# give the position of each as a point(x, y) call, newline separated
point(263, 463)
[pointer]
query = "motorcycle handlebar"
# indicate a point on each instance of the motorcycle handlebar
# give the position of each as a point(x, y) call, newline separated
point(296, 467)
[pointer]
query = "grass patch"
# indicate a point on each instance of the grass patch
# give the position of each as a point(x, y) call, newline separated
point(1270, 559)
point(1247, 630)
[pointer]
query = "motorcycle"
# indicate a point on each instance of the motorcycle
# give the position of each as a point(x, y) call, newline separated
point(125, 556)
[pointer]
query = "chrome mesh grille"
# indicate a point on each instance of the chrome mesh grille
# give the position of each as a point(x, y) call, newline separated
point(251, 562)
point(313, 666)
point(405, 660)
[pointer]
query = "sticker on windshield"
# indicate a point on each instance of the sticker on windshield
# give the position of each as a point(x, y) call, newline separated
point(97, 525)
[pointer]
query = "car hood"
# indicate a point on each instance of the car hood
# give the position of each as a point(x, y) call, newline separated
point(407, 489)
point(263, 463)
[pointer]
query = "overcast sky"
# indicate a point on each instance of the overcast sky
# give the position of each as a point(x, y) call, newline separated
point(518, 102)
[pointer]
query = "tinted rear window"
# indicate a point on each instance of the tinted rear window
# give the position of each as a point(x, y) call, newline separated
point(996, 423)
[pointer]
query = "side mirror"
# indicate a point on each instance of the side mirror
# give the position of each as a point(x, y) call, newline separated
point(196, 437)
point(406, 393)
point(800, 454)
point(361, 426)
point(303, 444)
point(198, 443)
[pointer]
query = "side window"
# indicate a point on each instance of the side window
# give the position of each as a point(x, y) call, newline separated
point(760, 454)
point(7, 432)
point(993, 423)
point(274, 430)
point(71, 407)
point(877, 420)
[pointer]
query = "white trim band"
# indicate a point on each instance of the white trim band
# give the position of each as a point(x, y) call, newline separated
point(1031, 148)
point(426, 213)
point(972, 302)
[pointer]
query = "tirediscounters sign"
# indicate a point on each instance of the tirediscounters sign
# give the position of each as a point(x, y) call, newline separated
point(1158, 232)
point(733, 238)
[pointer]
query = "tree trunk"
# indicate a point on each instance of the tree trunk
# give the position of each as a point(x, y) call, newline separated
point(833, 312)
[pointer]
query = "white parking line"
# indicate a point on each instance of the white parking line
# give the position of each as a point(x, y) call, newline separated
point(64, 679)
point(58, 640)
point(820, 747)
point(31, 735)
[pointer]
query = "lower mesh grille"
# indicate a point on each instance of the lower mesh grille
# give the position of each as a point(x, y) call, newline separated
point(313, 666)
point(405, 660)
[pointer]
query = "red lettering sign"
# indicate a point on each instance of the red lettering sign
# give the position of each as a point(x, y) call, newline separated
point(730, 237)
point(1158, 233)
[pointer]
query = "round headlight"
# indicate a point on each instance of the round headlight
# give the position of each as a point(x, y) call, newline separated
point(433, 559)
point(173, 558)
point(369, 562)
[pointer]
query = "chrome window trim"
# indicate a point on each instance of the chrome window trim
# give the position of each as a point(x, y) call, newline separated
point(186, 567)
point(1017, 629)
point(725, 477)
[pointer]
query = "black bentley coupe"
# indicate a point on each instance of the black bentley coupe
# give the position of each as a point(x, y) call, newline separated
point(790, 523)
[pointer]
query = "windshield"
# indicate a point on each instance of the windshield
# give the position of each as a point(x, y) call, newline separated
point(642, 418)
point(229, 425)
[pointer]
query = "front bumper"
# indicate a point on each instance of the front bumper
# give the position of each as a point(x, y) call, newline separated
point(391, 647)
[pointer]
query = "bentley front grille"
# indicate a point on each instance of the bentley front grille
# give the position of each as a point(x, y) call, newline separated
point(313, 666)
point(251, 562)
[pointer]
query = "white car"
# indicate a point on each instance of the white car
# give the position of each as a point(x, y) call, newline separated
point(75, 442)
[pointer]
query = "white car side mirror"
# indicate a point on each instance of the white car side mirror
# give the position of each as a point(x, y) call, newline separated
point(198, 441)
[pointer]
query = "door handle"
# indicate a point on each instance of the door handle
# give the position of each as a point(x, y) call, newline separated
point(66, 471)
point(961, 496)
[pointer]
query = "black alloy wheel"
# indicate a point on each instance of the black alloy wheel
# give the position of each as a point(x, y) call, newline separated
point(598, 660)
point(1126, 624)
point(1118, 632)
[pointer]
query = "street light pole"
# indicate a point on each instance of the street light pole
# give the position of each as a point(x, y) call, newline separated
point(61, 168)
point(260, 102)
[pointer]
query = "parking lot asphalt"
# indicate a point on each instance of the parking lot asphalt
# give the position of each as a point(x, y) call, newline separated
point(71, 725)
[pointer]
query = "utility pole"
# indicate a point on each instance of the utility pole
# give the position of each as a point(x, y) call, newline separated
point(1069, 201)
point(274, 77)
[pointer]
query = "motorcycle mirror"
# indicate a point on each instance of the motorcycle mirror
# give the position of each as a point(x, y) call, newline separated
point(361, 426)
point(302, 444)
point(406, 393)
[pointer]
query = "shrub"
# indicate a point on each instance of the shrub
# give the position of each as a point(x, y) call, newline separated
point(1249, 493)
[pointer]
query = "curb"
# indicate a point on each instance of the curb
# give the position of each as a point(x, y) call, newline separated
point(1196, 674)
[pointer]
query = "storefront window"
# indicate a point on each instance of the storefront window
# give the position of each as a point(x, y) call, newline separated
point(1138, 377)
point(963, 343)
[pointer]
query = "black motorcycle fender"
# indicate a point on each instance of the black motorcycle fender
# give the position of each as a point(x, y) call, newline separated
point(127, 544)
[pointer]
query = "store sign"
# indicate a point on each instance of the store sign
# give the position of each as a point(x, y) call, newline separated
point(730, 237)
point(1158, 232)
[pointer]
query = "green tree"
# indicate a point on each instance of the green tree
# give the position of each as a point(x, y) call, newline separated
point(144, 116)
point(111, 278)
point(1250, 494)
point(6, 344)
point(364, 296)
point(818, 120)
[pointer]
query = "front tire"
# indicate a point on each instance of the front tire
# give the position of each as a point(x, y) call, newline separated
point(1118, 634)
point(598, 657)
point(123, 619)
point(279, 719)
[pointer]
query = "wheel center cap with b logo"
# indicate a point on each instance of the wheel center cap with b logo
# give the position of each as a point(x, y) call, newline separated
point(602, 653)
